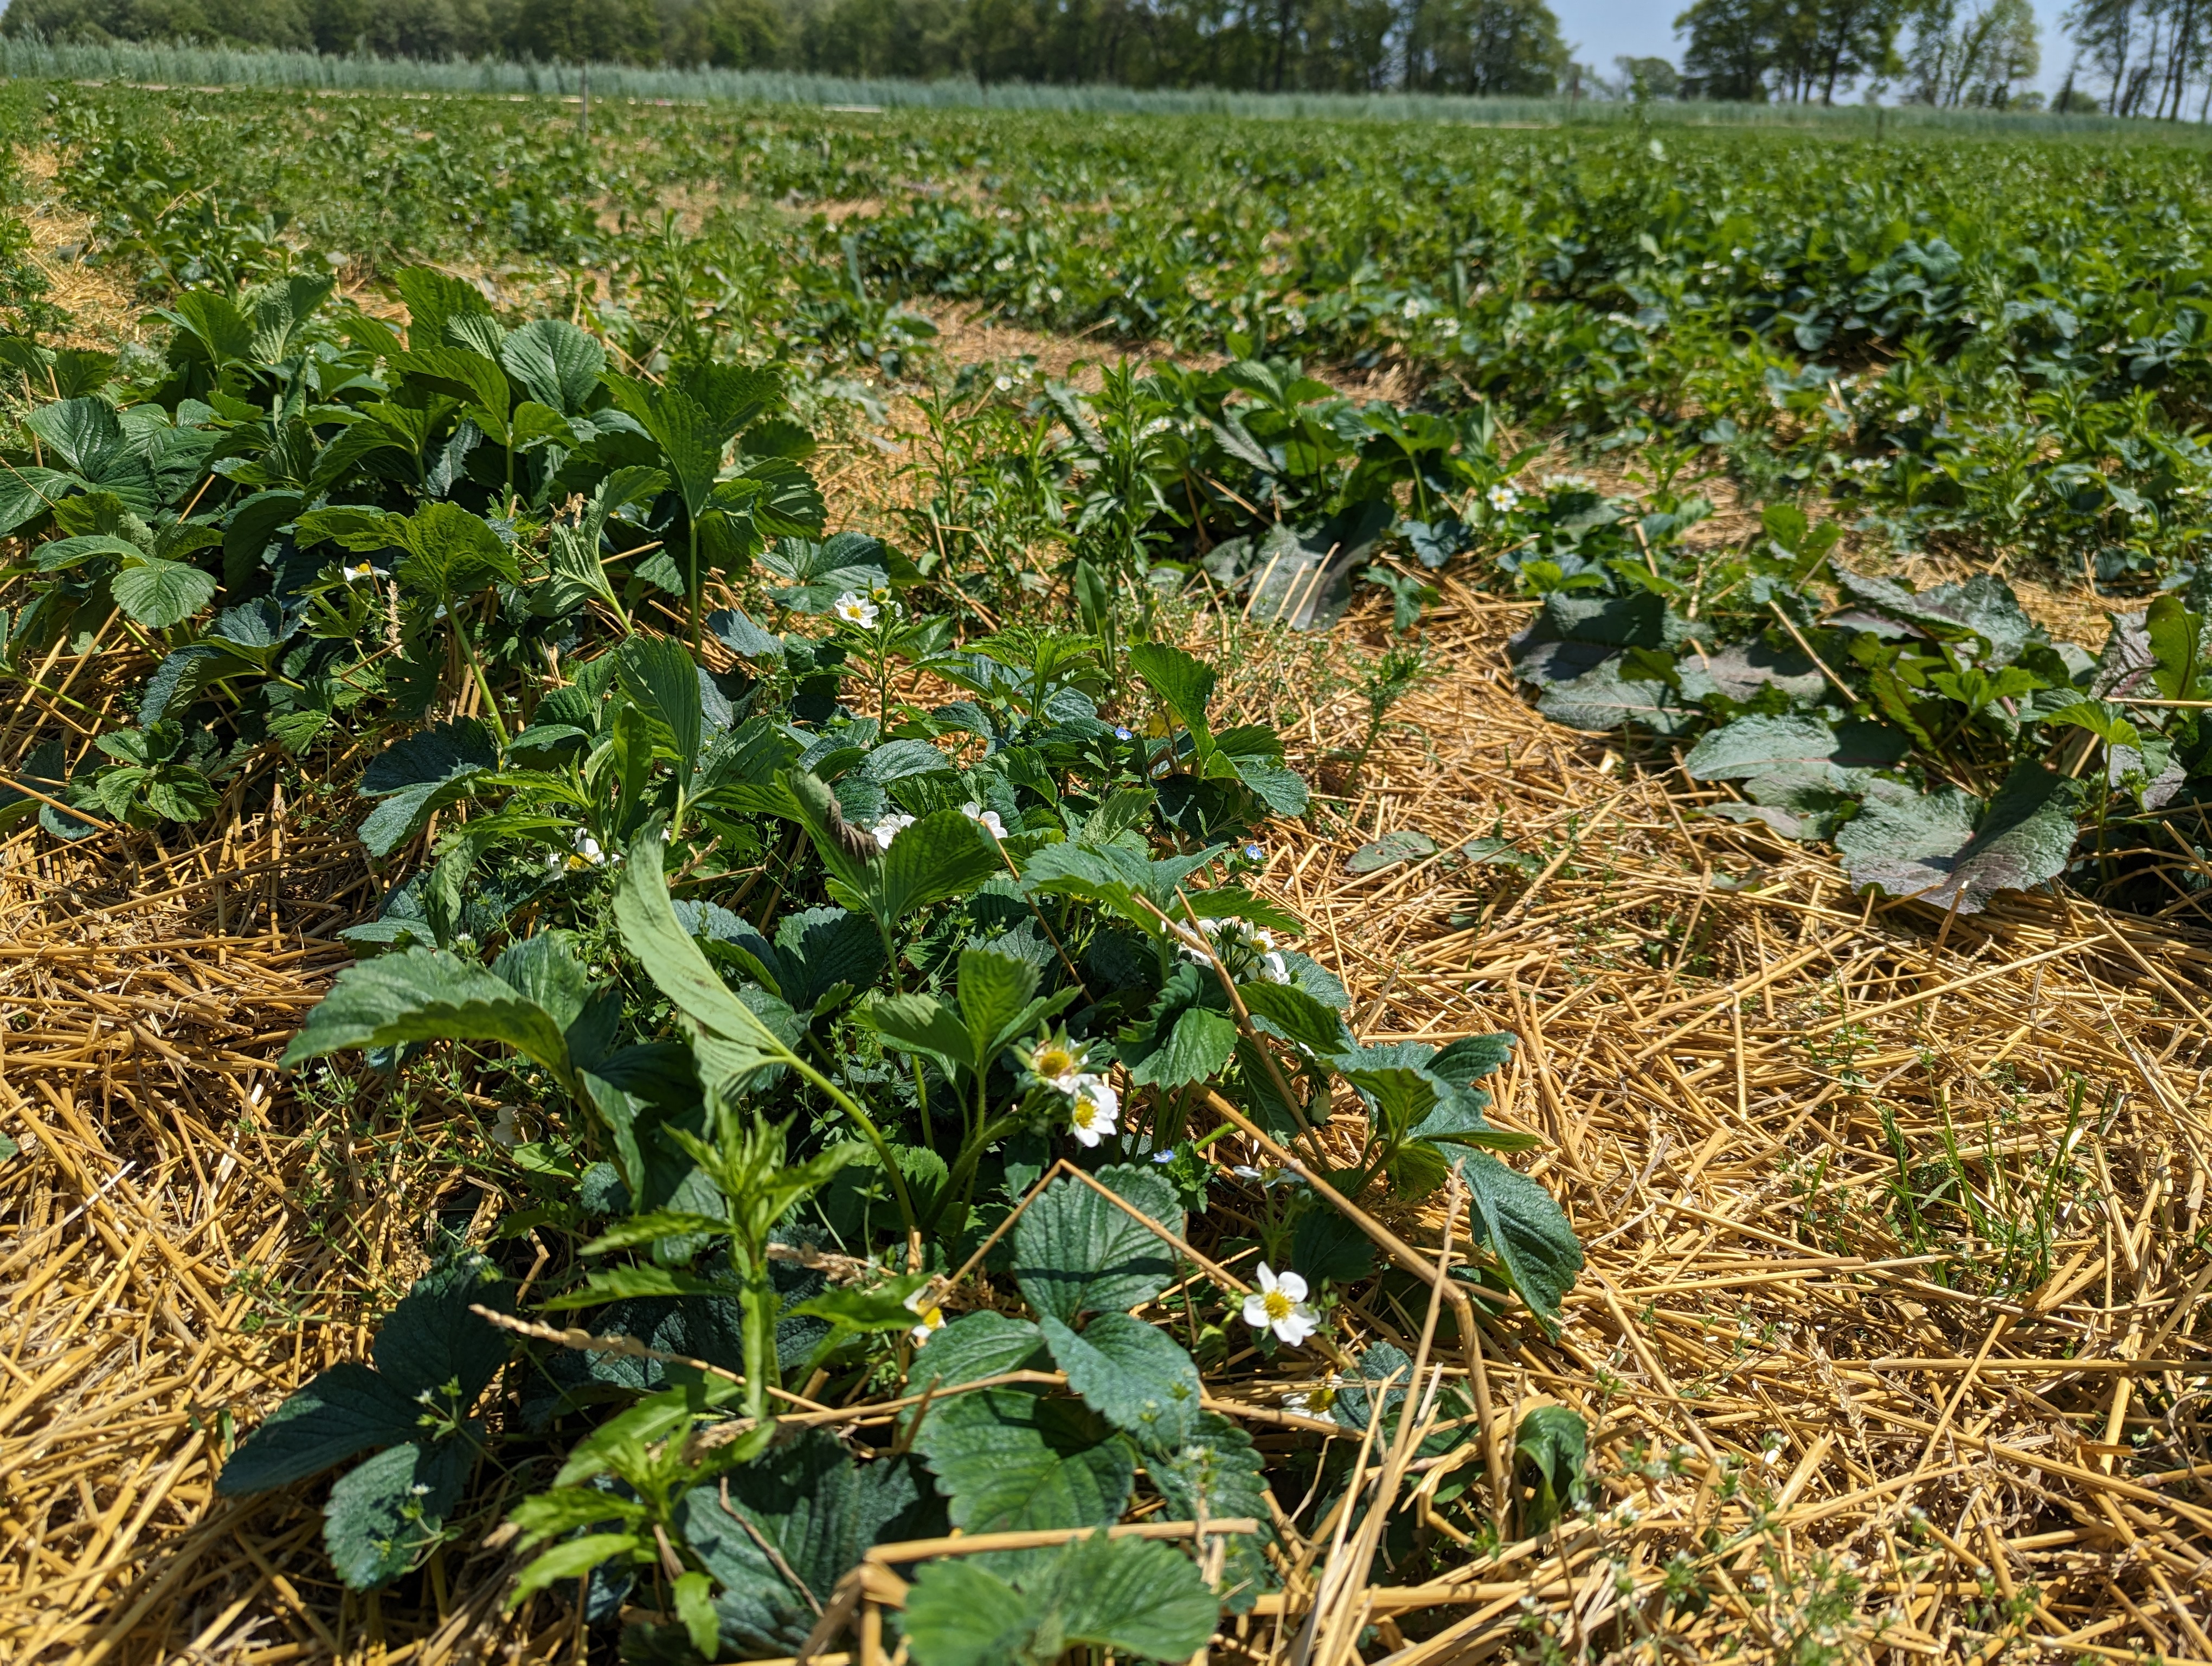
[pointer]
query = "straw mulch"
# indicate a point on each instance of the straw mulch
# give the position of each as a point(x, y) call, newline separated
point(1889, 1339)
point(1888, 1342)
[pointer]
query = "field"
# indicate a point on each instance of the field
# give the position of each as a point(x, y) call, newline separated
point(761, 861)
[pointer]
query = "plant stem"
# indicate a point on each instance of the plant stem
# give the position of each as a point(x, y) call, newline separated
point(696, 582)
point(476, 668)
point(874, 1136)
point(760, 1317)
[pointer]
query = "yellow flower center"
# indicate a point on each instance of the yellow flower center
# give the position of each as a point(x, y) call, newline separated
point(1052, 1061)
point(1084, 1114)
point(1277, 1305)
point(933, 1316)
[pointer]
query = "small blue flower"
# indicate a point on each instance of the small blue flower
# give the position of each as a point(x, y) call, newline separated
point(1123, 734)
point(1254, 853)
point(1162, 1157)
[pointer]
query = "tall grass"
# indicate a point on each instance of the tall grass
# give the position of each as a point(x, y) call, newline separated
point(186, 64)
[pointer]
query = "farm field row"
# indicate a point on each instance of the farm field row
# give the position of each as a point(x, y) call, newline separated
point(833, 928)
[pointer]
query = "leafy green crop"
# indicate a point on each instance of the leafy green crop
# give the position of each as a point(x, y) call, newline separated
point(793, 973)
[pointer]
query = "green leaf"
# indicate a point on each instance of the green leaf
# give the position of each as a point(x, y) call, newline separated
point(1325, 1246)
point(434, 300)
point(1291, 1012)
point(1196, 1049)
point(795, 1521)
point(812, 576)
point(859, 1310)
point(1468, 1059)
point(1135, 1377)
point(546, 968)
point(1012, 1458)
point(1601, 699)
point(159, 593)
point(995, 991)
point(1184, 684)
point(1132, 1597)
point(427, 994)
point(431, 1341)
point(687, 437)
point(671, 958)
point(1354, 1407)
point(2109, 723)
point(652, 1419)
point(572, 1559)
point(1527, 1231)
point(59, 555)
point(449, 552)
point(343, 1411)
point(1112, 876)
point(558, 363)
point(1216, 1474)
point(469, 374)
point(733, 396)
point(2182, 658)
point(1935, 847)
point(1276, 785)
point(1076, 1252)
point(1795, 747)
point(943, 855)
point(421, 773)
point(923, 1024)
point(28, 492)
point(1550, 1448)
point(1402, 846)
point(659, 674)
point(384, 1515)
point(974, 1346)
point(1983, 606)
point(84, 432)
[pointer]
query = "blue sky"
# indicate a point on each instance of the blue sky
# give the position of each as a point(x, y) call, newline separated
point(1598, 30)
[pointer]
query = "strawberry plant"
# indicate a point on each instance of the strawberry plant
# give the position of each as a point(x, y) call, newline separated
point(882, 1048)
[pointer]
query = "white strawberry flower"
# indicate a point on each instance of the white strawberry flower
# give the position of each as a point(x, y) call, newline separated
point(1095, 1109)
point(854, 608)
point(986, 819)
point(1280, 1305)
point(889, 828)
point(1503, 497)
point(588, 853)
point(359, 574)
point(1315, 1401)
point(1057, 1061)
point(931, 1315)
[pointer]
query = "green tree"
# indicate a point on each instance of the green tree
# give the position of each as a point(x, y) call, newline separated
point(730, 34)
point(579, 31)
point(1973, 55)
point(1485, 46)
point(1733, 45)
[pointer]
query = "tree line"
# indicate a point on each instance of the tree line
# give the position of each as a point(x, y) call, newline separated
point(2150, 57)
point(1949, 52)
point(1461, 46)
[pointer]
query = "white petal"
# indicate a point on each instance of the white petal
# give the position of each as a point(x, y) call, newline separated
point(1296, 1328)
point(1292, 1284)
point(1266, 1276)
point(1086, 1136)
point(1255, 1310)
